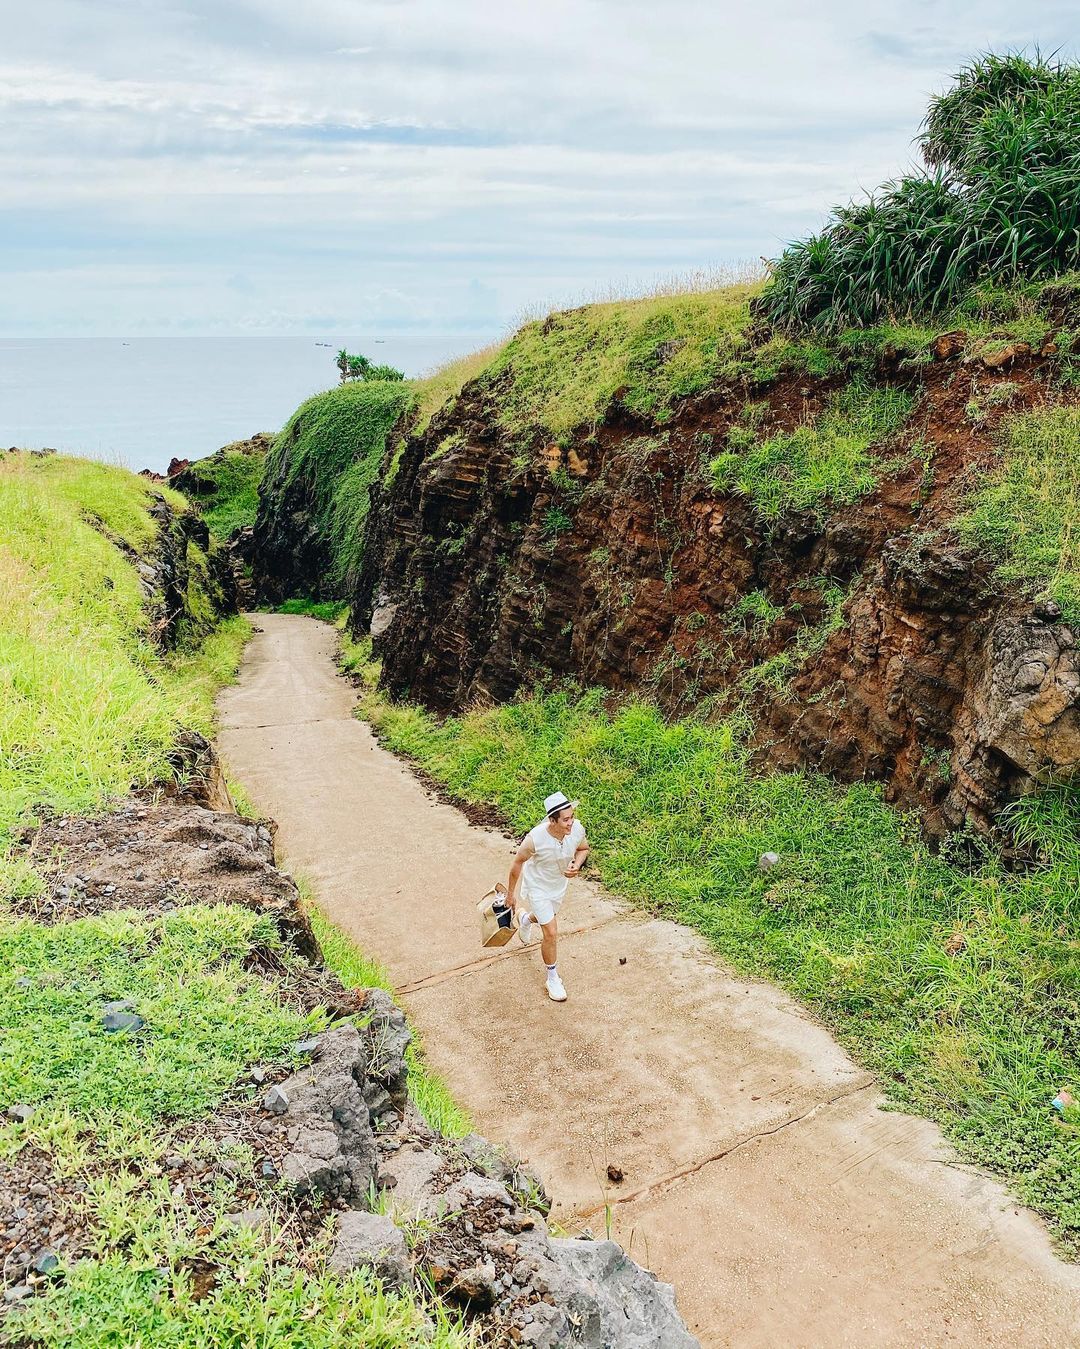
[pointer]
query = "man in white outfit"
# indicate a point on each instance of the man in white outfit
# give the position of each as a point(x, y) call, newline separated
point(550, 855)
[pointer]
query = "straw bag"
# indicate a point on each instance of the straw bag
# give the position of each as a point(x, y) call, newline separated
point(498, 922)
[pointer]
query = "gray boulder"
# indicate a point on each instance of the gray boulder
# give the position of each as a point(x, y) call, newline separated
point(611, 1300)
point(594, 1295)
point(486, 1158)
point(411, 1176)
point(388, 1036)
point(332, 1146)
point(371, 1239)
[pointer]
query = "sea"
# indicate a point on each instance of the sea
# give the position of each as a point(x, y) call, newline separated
point(142, 401)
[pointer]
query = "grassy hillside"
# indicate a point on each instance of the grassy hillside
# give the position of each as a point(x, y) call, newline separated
point(89, 705)
point(918, 363)
point(564, 372)
point(225, 485)
point(142, 1178)
point(955, 980)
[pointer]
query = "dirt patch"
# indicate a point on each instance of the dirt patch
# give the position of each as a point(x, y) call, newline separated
point(157, 856)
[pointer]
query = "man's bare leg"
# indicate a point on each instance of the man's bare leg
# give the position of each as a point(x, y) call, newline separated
point(549, 944)
point(549, 950)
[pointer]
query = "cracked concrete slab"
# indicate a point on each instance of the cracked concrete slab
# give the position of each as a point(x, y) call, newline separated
point(826, 1221)
point(652, 1066)
point(848, 1229)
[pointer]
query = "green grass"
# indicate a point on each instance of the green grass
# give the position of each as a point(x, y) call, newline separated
point(809, 642)
point(329, 611)
point(206, 1018)
point(105, 1108)
point(855, 920)
point(440, 388)
point(260, 1300)
point(1025, 514)
point(226, 487)
point(334, 444)
point(754, 610)
point(88, 705)
point(562, 373)
point(429, 1093)
point(828, 460)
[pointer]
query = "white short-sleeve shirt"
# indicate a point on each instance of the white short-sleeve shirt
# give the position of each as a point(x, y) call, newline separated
point(543, 874)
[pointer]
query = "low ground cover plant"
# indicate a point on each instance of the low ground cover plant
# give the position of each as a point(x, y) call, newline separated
point(1025, 514)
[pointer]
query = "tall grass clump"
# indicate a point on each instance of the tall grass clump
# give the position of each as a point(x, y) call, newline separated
point(1026, 513)
point(826, 460)
point(957, 982)
point(998, 200)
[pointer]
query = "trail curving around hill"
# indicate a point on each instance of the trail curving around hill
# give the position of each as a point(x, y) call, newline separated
point(761, 1177)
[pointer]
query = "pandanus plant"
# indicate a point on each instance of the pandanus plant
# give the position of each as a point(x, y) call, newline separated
point(999, 201)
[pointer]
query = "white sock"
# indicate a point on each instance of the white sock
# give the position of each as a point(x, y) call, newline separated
point(552, 969)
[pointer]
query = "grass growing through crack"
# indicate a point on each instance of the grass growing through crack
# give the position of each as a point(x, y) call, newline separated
point(957, 983)
point(1026, 513)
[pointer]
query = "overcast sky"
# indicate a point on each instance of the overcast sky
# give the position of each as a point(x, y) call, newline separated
point(292, 166)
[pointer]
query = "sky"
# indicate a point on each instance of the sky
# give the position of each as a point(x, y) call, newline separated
point(440, 166)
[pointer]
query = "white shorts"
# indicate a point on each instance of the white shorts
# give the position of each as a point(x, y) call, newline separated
point(543, 910)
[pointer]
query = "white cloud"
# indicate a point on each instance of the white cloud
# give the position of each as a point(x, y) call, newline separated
point(547, 145)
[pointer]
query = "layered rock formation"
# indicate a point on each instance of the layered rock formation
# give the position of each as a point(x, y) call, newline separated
point(887, 650)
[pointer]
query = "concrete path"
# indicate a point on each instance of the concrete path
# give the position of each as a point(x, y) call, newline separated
point(762, 1178)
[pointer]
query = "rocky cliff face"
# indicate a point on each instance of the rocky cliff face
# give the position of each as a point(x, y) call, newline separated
point(866, 639)
point(188, 578)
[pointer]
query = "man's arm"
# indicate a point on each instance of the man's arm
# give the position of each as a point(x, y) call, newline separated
point(580, 854)
point(523, 854)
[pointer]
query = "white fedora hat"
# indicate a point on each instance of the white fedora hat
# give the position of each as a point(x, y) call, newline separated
point(557, 801)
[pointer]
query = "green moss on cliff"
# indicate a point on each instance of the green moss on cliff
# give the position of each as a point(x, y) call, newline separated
point(1026, 514)
point(828, 460)
point(333, 445)
point(565, 371)
point(226, 488)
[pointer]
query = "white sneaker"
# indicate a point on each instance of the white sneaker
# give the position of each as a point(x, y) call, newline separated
point(525, 927)
point(555, 990)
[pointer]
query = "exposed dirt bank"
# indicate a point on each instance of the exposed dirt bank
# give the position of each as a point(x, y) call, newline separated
point(884, 649)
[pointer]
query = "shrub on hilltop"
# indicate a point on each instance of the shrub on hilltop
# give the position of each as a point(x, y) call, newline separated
point(998, 201)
